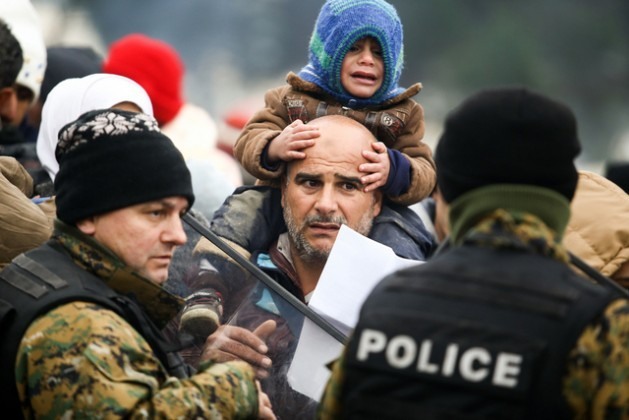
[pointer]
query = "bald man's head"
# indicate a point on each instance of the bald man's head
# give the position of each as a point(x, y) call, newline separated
point(324, 190)
point(338, 129)
point(341, 138)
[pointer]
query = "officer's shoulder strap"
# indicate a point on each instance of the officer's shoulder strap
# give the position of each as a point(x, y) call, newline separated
point(33, 284)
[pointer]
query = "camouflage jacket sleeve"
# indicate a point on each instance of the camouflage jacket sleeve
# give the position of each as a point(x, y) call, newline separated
point(330, 405)
point(597, 384)
point(83, 361)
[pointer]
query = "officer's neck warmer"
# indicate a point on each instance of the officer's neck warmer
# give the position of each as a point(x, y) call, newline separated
point(551, 207)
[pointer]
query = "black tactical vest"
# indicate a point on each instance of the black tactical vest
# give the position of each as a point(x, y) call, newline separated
point(45, 278)
point(473, 334)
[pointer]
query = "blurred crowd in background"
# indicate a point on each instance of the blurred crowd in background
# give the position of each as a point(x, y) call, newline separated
point(576, 51)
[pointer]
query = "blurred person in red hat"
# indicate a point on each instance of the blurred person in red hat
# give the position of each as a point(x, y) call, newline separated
point(159, 69)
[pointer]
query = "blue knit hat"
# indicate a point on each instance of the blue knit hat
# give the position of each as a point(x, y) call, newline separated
point(340, 24)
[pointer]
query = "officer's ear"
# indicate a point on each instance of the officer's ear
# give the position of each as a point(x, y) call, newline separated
point(87, 226)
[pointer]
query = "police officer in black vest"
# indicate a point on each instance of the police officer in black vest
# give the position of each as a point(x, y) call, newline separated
point(498, 325)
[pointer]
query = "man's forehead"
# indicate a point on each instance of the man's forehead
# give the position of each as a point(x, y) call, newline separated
point(339, 176)
point(333, 165)
point(341, 131)
point(337, 151)
point(340, 145)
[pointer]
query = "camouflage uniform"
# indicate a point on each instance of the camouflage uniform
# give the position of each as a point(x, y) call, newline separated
point(82, 360)
point(596, 384)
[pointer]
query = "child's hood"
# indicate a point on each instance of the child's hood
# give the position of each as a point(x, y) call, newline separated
point(339, 25)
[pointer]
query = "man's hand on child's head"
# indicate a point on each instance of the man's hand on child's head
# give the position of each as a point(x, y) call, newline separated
point(378, 167)
point(291, 142)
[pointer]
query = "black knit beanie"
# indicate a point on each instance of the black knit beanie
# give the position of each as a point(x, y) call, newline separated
point(508, 136)
point(111, 159)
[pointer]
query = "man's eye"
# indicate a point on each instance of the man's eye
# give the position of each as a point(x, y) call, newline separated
point(348, 186)
point(311, 183)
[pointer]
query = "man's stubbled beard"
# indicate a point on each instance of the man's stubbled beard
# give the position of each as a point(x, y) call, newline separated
point(306, 251)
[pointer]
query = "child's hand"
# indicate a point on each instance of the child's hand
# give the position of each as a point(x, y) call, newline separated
point(292, 141)
point(378, 168)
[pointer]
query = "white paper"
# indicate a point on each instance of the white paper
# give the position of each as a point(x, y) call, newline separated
point(355, 265)
point(308, 371)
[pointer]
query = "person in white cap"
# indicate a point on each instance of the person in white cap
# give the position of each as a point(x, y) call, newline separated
point(24, 22)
